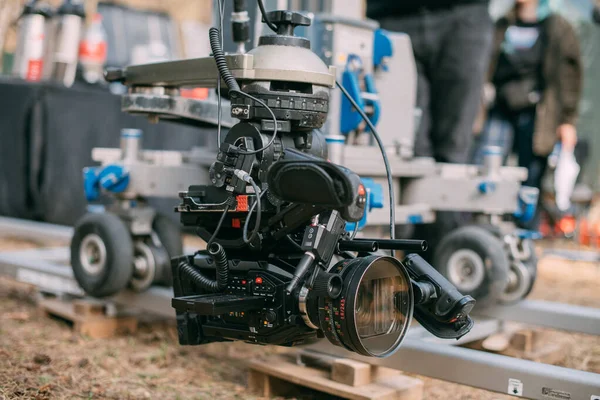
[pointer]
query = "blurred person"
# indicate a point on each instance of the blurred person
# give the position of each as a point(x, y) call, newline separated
point(535, 81)
point(451, 41)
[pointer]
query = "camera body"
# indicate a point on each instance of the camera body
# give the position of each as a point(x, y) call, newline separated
point(254, 307)
point(297, 274)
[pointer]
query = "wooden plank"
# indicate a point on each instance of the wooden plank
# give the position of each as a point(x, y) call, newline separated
point(265, 375)
point(88, 308)
point(103, 328)
point(88, 321)
point(350, 372)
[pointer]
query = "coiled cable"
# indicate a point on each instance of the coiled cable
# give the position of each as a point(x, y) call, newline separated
point(203, 282)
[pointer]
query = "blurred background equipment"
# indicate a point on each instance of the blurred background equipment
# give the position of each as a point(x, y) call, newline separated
point(63, 44)
point(33, 34)
point(93, 50)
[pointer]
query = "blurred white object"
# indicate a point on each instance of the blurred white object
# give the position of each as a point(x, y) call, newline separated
point(565, 177)
point(29, 54)
point(489, 94)
point(92, 51)
point(69, 21)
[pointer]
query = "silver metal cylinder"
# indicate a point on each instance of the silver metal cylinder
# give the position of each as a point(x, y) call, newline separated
point(29, 55)
point(493, 157)
point(335, 148)
point(66, 49)
point(130, 144)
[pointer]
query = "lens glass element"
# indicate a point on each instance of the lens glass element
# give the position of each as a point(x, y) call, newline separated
point(383, 306)
point(374, 309)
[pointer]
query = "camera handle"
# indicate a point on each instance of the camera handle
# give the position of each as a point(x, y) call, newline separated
point(439, 306)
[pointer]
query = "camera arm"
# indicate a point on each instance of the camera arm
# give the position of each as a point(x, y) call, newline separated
point(439, 306)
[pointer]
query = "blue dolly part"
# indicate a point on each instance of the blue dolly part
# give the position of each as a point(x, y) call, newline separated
point(350, 119)
point(113, 178)
point(526, 203)
point(374, 200)
point(527, 234)
point(487, 187)
point(382, 49)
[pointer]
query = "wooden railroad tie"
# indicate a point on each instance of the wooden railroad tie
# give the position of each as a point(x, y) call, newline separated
point(280, 375)
point(88, 317)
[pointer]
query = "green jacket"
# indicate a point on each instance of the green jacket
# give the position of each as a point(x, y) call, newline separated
point(563, 75)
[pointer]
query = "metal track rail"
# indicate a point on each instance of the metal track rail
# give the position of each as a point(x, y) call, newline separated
point(481, 370)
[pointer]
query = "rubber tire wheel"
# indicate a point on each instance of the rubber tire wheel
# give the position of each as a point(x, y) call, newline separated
point(491, 250)
point(118, 269)
point(169, 234)
point(531, 264)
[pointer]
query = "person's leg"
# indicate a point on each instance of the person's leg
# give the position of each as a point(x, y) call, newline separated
point(536, 165)
point(413, 26)
point(498, 131)
point(464, 39)
point(461, 41)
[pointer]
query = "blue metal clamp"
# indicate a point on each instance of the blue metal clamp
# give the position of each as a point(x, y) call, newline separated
point(113, 178)
point(526, 203)
point(374, 200)
point(350, 119)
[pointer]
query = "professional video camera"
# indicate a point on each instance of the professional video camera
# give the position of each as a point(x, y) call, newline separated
point(298, 273)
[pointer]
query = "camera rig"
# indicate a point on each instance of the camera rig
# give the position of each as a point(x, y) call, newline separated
point(298, 273)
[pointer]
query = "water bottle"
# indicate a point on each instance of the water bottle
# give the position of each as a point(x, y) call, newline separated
point(31, 43)
point(69, 22)
point(92, 51)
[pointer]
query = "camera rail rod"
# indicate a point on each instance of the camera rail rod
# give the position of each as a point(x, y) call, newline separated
point(421, 353)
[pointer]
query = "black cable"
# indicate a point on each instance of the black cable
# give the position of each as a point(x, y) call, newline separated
point(271, 25)
point(293, 243)
point(259, 196)
point(234, 87)
point(355, 231)
point(262, 103)
point(218, 228)
point(222, 266)
point(388, 169)
point(221, 7)
point(217, 50)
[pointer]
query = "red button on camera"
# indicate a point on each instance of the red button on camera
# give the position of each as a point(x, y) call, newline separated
point(258, 280)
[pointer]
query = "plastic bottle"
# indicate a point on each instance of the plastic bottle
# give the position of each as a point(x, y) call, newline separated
point(69, 22)
point(31, 43)
point(92, 51)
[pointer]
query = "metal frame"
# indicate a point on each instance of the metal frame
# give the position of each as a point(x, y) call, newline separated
point(482, 370)
point(421, 353)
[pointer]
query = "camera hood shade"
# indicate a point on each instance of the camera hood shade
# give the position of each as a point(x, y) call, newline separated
point(374, 310)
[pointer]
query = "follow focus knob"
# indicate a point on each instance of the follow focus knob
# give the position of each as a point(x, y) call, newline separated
point(286, 21)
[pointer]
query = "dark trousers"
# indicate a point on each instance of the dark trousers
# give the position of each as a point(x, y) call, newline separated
point(452, 49)
point(513, 132)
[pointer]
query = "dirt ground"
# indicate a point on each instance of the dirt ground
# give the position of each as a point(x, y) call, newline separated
point(41, 358)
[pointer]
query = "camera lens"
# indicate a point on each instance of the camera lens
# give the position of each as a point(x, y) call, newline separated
point(373, 312)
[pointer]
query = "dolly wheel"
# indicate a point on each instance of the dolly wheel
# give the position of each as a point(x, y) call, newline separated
point(522, 274)
point(475, 261)
point(169, 234)
point(519, 282)
point(102, 254)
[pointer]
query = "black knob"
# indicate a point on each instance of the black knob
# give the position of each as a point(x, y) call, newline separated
point(270, 316)
point(329, 285)
point(286, 21)
point(114, 74)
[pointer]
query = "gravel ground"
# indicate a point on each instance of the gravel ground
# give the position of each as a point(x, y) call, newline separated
point(41, 358)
